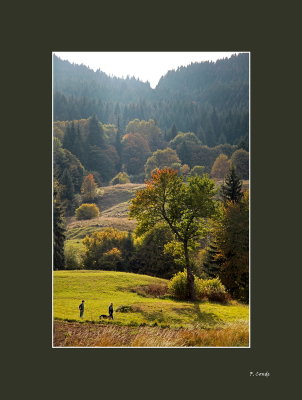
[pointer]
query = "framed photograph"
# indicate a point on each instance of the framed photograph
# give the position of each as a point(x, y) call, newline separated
point(151, 199)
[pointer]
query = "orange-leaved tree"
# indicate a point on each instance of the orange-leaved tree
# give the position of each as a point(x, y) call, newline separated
point(88, 188)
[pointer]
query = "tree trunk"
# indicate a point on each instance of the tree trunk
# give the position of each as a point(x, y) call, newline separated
point(190, 276)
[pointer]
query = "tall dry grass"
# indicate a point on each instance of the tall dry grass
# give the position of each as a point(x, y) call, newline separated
point(68, 334)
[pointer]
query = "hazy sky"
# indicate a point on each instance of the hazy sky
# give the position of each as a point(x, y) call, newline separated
point(146, 66)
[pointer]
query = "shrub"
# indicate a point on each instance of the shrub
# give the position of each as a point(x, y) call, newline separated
point(213, 290)
point(178, 286)
point(205, 289)
point(87, 211)
point(120, 178)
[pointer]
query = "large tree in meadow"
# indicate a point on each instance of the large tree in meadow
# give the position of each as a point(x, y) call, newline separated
point(184, 207)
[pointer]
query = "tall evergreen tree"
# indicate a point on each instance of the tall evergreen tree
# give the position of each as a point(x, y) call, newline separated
point(79, 149)
point(67, 192)
point(95, 133)
point(173, 132)
point(58, 232)
point(68, 138)
point(118, 144)
point(231, 189)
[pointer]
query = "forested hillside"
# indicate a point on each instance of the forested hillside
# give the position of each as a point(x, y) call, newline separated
point(188, 139)
point(209, 99)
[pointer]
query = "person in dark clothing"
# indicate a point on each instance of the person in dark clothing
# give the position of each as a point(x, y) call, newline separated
point(81, 307)
point(111, 311)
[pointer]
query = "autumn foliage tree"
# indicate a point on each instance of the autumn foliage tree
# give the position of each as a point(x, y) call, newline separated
point(184, 207)
point(89, 189)
point(135, 152)
point(161, 159)
point(220, 167)
point(149, 130)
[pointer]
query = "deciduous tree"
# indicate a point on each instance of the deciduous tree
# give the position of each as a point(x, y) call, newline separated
point(220, 167)
point(89, 188)
point(184, 207)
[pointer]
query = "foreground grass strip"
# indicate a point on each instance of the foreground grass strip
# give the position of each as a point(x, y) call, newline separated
point(77, 334)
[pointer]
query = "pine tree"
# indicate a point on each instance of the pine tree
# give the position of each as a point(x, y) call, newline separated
point(118, 144)
point(95, 133)
point(211, 265)
point(58, 232)
point(78, 145)
point(184, 154)
point(231, 189)
point(173, 132)
point(68, 139)
point(68, 192)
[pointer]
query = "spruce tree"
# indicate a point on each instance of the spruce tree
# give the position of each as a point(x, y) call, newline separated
point(58, 232)
point(118, 144)
point(173, 132)
point(231, 189)
point(68, 192)
point(68, 138)
point(95, 133)
point(79, 145)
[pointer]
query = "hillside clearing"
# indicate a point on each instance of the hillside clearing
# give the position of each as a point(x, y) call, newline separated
point(114, 206)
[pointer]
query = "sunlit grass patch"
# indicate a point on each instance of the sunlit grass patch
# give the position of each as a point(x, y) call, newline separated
point(100, 288)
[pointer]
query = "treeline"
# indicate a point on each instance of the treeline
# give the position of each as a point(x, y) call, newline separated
point(86, 146)
point(209, 99)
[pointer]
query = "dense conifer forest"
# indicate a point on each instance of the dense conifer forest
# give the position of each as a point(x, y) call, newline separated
point(210, 99)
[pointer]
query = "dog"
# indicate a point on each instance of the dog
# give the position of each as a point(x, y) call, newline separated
point(106, 316)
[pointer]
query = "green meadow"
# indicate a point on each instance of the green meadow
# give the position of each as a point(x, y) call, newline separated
point(100, 288)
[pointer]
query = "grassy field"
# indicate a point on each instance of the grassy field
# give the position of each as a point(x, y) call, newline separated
point(198, 322)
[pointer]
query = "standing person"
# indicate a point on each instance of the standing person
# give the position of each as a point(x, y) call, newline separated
point(81, 307)
point(111, 311)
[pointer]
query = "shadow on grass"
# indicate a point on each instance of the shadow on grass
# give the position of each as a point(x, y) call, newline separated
point(192, 312)
point(198, 315)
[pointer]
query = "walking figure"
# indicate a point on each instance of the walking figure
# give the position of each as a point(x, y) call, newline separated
point(81, 307)
point(111, 311)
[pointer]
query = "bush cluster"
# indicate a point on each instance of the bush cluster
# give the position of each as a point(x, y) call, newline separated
point(87, 211)
point(205, 289)
point(120, 178)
